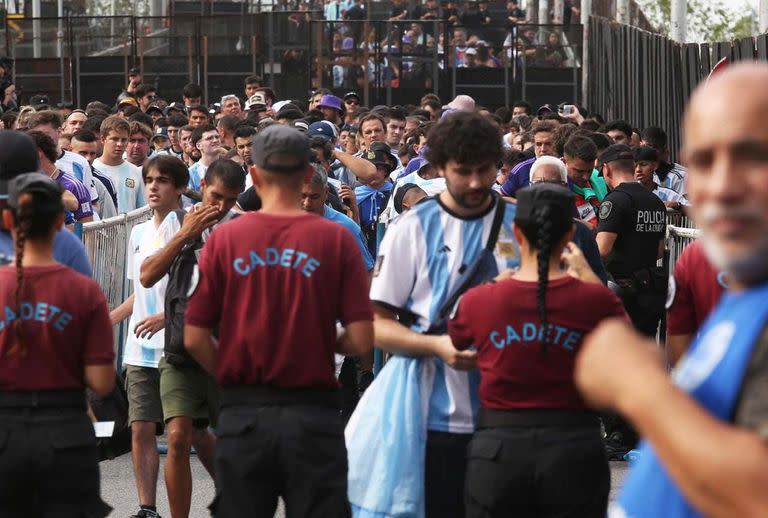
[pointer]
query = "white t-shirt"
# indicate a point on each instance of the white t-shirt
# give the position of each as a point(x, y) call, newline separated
point(145, 241)
point(418, 265)
point(78, 167)
point(665, 194)
point(127, 179)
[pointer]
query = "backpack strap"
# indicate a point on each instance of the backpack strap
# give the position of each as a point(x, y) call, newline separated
point(467, 279)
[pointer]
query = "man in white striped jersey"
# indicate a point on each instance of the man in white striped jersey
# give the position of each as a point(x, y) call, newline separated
point(424, 256)
point(668, 174)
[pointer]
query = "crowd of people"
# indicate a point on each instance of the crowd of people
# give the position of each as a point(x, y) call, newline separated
point(509, 263)
point(400, 50)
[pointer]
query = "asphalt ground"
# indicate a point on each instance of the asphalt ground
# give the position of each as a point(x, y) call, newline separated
point(119, 490)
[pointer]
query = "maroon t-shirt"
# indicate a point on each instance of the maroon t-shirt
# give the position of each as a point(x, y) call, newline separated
point(696, 289)
point(502, 321)
point(65, 326)
point(276, 286)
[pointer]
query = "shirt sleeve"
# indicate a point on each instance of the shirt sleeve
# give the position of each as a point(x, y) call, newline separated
point(681, 313)
point(84, 209)
point(611, 214)
point(99, 341)
point(355, 305)
point(204, 306)
point(588, 245)
point(140, 200)
point(394, 273)
point(69, 251)
point(459, 327)
point(752, 408)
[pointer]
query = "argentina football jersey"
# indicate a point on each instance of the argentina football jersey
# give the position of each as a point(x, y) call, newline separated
point(420, 260)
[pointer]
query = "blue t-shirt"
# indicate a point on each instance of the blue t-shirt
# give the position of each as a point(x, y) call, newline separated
point(341, 219)
point(519, 177)
point(67, 249)
point(586, 242)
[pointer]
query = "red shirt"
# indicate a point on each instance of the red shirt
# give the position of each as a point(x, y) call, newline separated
point(502, 321)
point(696, 289)
point(65, 326)
point(276, 286)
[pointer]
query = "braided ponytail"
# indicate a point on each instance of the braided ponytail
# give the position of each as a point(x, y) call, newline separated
point(543, 219)
point(21, 226)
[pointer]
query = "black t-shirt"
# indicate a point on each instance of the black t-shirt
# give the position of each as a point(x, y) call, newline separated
point(397, 10)
point(638, 217)
point(356, 12)
point(471, 17)
point(249, 200)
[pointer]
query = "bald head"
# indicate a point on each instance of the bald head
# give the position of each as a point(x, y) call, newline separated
point(726, 150)
point(722, 100)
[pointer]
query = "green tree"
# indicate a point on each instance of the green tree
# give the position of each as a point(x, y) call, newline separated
point(708, 20)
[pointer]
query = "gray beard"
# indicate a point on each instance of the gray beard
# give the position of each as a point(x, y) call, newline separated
point(749, 269)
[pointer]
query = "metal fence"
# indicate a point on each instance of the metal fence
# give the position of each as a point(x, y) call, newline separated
point(106, 243)
point(396, 62)
point(647, 79)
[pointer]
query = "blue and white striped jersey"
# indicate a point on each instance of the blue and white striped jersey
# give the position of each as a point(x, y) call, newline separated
point(419, 263)
point(146, 240)
point(675, 179)
point(665, 194)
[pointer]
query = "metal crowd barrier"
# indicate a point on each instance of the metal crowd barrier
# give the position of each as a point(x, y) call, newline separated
point(106, 243)
point(681, 232)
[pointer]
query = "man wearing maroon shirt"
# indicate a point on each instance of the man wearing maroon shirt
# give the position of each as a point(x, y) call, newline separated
point(694, 291)
point(275, 283)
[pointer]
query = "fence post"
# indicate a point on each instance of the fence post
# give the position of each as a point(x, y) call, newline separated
point(678, 23)
point(205, 68)
point(586, 11)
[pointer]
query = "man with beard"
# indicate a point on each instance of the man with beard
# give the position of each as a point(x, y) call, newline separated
point(420, 263)
point(705, 447)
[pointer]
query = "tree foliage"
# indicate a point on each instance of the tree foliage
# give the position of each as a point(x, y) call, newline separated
point(708, 20)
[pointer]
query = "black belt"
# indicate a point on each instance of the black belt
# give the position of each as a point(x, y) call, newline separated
point(488, 418)
point(72, 398)
point(261, 395)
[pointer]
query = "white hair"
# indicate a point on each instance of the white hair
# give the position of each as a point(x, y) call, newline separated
point(550, 160)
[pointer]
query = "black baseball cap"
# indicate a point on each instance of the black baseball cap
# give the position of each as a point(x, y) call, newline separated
point(350, 95)
point(615, 152)
point(34, 183)
point(281, 149)
point(18, 155)
point(397, 201)
point(560, 198)
point(379, 157)
point(135, 71)
point(39, 100)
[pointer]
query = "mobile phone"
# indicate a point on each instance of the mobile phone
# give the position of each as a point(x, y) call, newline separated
point(567, 109)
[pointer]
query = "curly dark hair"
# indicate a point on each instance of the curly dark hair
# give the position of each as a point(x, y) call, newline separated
point(465, 138)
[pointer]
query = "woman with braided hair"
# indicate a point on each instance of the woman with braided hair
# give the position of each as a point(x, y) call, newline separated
point(537, 450)
point(55, 341)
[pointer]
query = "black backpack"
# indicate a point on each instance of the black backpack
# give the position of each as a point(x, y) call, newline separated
point(180, 278)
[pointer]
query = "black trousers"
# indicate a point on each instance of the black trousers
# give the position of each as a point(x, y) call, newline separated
point(444, 471)
point(49, 464)
point(293, 451)
point(542, 472)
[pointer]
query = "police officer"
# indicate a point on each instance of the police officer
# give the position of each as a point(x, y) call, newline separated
point(274, 283)
point(630, 237)
point(55, 340)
